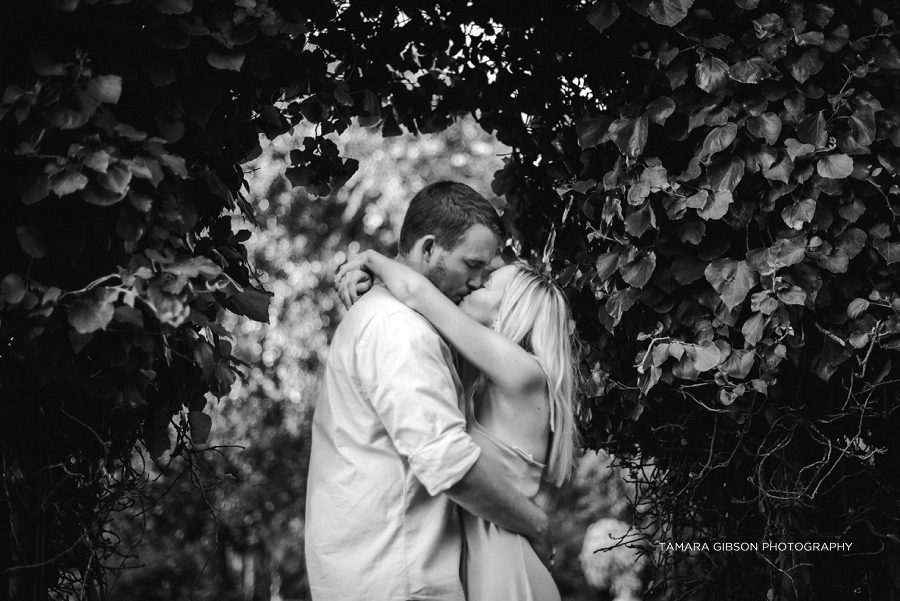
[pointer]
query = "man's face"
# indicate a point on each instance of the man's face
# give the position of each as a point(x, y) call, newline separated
point(458, 272)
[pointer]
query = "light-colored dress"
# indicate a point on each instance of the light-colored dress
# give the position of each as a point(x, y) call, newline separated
point(500, 565)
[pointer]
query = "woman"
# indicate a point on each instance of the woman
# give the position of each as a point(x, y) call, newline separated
point(514, 333)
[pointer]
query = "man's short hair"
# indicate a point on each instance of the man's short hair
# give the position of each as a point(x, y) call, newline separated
point(447, 210)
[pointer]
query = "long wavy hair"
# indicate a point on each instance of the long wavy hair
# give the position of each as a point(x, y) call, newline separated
point(534, 314)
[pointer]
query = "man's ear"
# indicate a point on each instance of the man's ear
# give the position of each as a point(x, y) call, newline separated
point(428, 247)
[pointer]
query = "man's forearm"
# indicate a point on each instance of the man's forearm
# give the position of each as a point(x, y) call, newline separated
point(482, 493)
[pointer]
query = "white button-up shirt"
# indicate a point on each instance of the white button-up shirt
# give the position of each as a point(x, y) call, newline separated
point(388, 437)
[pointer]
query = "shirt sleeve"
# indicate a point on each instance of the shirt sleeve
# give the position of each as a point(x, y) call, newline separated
point(404, 366)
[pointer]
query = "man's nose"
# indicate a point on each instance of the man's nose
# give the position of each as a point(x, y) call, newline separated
point(475, 282)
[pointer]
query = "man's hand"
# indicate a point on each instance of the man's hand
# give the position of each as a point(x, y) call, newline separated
point(544, 547)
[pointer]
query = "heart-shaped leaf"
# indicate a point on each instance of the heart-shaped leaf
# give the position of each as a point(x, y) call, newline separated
point(705, 355)
point(753, 328)
point(638, 272)
point(719, 138)
point(739, 363)
point(201, 425)
point(811, 129)
point(621, 301)
point(857, 307)
point(751, 70)
point(836, 262)
point(804, 63)
point(12, 289)
point(607, 264)
point(93, 311)
point(593, 130)
point(711, 75)
point(835, 166)
point(603, 14)
point(660, 109)
point(222, 58)
point(759, 158)
point(731, 279)
point(862, 125)
point(716, 205)
point(798, 213)
point(31, 241)
point(669, 12)
point(105, 88)
point(725, 172)
point(889, 250)
point(630, 135)
point(783, 253)
point(766, 125)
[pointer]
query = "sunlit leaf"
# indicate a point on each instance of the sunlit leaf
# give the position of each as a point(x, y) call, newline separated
point(106, 88)
point(660, 109)
point(739, 363)
point(851, 241)
point(799, 213)
point(93, 311)
point(753, 328)
point(889, 250)
point(640, 221)
point(792, 296)
point(705, 355)
point(835, 166)
point(836, 262)
point(857, 307)
point(751, 70)
point(782, 253)
point(712, 74)
point(67, 181)
point(731, 279)
point(716, 205)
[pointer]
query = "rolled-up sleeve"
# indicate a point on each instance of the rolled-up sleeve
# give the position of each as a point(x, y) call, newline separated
point(404, 367)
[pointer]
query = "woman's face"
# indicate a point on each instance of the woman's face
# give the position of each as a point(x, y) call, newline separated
point(482, 304)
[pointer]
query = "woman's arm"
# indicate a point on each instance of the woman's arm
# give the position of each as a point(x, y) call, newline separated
point(508, 365)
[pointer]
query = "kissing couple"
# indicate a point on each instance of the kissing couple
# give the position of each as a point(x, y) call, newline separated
point(447, 399)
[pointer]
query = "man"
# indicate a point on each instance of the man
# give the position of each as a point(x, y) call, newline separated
point(390, 454)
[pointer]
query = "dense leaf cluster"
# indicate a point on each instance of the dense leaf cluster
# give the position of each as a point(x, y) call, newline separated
point(713, 181)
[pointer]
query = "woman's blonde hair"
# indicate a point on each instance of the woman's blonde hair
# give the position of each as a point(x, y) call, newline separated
point(534, 314)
